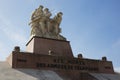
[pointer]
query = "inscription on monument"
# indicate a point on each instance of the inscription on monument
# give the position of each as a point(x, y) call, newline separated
point(66, 65)
point(63, 64)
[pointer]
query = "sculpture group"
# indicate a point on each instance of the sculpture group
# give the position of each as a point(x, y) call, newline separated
point(44, 26)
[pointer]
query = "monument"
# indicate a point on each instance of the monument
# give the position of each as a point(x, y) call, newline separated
point(47, 50)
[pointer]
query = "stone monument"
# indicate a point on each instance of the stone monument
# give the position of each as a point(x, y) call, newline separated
point(51, 55)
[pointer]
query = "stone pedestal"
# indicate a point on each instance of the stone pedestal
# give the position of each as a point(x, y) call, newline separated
point(46, 46)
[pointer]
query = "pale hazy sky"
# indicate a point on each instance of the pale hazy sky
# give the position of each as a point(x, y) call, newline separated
point(91, 26)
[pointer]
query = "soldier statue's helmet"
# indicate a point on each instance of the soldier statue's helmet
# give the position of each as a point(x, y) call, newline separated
point(46, 9)
point(40, 6)
point(61, 13)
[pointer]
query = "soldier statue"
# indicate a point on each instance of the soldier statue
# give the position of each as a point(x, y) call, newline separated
point(44, 26)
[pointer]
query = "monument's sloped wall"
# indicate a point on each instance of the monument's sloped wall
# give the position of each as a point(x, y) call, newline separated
point(102, 76)
point(8, 73)
point(9, 59)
